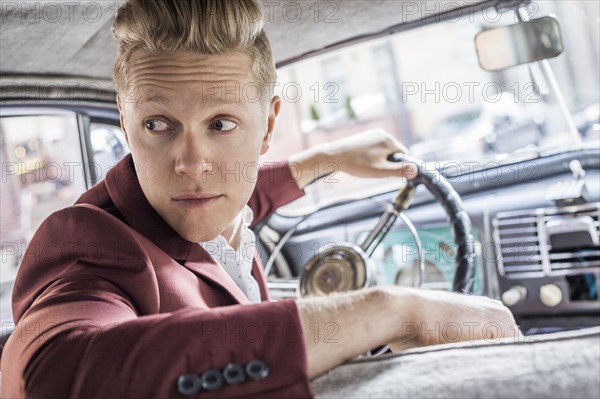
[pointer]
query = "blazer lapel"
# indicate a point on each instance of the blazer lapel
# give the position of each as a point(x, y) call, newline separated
point(259, 276)
point(204, 265)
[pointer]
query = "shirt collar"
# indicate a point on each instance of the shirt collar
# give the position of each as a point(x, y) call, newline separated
point(247, 236)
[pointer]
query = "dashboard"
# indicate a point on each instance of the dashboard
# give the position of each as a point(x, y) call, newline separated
point(536, 230)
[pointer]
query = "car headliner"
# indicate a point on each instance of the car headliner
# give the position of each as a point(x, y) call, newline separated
point(76, 41)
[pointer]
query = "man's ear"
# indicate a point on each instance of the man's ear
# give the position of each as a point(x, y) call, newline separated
point(121, 118)
point(274, 107)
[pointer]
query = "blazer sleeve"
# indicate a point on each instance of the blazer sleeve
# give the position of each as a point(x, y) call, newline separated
point(275, 187)
point(89, 326)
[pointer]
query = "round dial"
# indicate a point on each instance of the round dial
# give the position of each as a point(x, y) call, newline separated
point(341, 268)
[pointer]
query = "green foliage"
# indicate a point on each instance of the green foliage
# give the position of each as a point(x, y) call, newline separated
point(314, 114)
point(349, 109)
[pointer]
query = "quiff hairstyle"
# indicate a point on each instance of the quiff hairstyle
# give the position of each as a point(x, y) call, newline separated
point(203, 26)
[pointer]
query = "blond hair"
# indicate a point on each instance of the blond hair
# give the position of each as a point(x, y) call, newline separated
point(203, 26)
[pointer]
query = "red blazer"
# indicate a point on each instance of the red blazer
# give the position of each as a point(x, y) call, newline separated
point(111, 302)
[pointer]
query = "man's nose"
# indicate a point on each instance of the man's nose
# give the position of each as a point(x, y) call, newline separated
point(194, 157)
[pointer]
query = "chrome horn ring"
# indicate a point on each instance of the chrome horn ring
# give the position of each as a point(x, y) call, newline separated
point(337, 268)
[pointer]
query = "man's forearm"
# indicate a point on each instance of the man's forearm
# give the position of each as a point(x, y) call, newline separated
point(339, 328)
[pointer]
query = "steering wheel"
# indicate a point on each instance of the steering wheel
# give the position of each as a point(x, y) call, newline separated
point(346, 267)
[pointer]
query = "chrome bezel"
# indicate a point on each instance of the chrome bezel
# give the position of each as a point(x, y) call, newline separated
point(363, 272)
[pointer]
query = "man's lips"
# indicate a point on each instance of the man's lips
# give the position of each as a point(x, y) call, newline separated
point(196, 200)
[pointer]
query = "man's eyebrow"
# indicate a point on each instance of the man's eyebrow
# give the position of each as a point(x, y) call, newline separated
point(233, 98)
point(209, 99)
point(154, 98)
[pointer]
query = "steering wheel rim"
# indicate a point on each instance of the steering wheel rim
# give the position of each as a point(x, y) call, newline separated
point(460, 221)
point(445, 195)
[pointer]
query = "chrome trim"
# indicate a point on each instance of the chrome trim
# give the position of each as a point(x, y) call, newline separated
point(543, 241)
point(283, 288)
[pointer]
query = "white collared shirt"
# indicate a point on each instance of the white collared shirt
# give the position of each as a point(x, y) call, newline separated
point(238, 264)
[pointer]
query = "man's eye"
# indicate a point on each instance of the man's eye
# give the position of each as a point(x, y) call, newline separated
point(223, 125)
point(156, 125)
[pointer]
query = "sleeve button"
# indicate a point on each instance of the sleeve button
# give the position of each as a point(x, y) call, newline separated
point(234, 374)
point(257, 369)
point(212, 379)
point(189, 384)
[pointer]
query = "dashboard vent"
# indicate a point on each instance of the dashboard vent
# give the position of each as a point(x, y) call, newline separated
point(548, 241)
point(517, 237)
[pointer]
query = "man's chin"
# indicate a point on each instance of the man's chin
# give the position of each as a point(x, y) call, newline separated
point(195, 229)
point(199, 236)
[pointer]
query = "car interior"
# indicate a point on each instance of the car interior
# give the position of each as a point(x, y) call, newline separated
point(497, 102)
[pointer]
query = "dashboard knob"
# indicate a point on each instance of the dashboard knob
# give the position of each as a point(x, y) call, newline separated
point(550, 295)
point(514, 295)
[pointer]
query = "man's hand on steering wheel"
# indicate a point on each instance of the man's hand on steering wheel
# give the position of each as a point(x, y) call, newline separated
point(363, 155)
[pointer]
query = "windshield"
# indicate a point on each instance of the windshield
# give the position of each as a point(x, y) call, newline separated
point(425, 86)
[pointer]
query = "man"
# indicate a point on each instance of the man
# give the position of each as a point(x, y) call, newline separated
point(117, 295)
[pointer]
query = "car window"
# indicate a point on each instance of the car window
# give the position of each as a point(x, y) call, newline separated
point(425, 87)
point(42, 171)
point(108, 147)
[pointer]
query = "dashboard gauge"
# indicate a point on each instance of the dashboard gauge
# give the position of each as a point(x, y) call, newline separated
point(339, 268)
point(408, 276)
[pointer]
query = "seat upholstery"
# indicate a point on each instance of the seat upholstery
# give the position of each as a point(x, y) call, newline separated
point(559, 365)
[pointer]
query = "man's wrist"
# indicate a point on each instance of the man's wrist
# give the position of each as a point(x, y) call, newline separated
point(309, 165)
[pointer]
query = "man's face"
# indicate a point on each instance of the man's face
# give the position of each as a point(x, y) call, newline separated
point(196, 130)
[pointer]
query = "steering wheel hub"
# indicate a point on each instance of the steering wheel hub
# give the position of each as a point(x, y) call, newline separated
point(337, 268)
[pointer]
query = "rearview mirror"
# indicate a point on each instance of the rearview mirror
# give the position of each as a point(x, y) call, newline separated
point(507, 46)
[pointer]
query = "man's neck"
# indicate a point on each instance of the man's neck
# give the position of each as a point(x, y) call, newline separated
point(233, 232)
